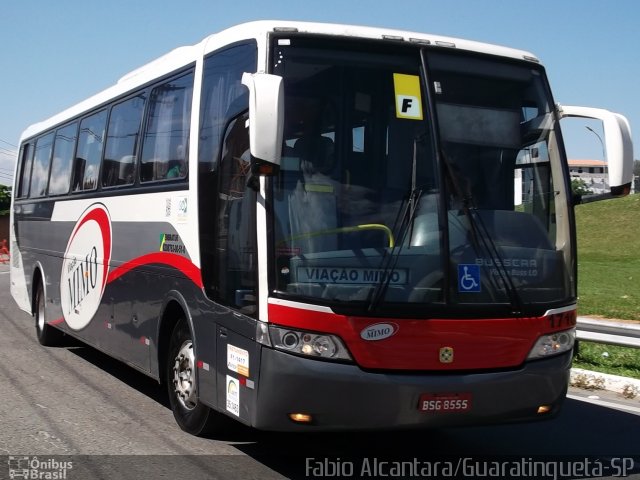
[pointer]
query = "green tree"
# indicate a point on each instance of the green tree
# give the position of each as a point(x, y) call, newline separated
point(579, 187)
point(5, 199)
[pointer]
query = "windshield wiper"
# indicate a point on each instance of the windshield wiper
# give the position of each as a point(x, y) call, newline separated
point(482, 238)
point(404, 222)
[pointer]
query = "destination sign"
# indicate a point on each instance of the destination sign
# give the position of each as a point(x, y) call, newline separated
point(345, 275)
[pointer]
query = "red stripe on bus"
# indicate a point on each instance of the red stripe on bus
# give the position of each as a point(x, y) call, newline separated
point(99, 215)
point(164, 258)
point(57, 321)
point(417, 343)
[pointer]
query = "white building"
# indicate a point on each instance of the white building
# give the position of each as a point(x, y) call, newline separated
point(594, 173)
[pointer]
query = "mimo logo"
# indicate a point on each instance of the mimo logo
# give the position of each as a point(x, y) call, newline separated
point(379, 331)
point(85, 266)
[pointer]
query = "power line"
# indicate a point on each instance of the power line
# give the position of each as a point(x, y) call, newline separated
point(8, 143)
point(6, 151)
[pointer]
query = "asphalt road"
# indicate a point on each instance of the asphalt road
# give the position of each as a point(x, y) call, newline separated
point(75, 404)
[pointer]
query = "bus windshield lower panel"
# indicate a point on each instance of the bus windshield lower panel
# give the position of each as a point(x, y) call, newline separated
point(364, 204)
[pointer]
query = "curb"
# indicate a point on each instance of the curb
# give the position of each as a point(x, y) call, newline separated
point(588, 380)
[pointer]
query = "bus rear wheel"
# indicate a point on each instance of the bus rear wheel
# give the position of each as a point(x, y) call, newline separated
point(191, 415)
point(47, 335)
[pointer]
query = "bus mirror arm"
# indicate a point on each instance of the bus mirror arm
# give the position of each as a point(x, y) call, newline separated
point(621, 191)
point(266, 121)
point(579, 199)
point(619, 149)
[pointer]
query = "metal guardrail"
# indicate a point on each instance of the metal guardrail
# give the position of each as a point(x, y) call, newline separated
point(609, 332)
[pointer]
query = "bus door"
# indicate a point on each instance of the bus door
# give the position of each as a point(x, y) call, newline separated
point(235, 278)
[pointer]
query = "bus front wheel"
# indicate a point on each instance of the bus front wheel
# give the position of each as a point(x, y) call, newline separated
point(47, 335)
point(191, 415)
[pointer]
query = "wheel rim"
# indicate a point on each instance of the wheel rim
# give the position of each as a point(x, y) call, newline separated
point(184, 381)
point(40, 313)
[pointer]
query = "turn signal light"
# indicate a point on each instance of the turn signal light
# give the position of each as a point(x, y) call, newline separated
point(301, 417)
point(544, 408)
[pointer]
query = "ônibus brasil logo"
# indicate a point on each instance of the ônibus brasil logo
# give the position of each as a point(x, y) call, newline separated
point(86, 266)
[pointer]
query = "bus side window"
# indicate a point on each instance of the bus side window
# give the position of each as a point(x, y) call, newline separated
point(122, 137)
point(26, 160)
point(89, 152)
point(41, 163)
point(62, 162)
point(165, 144)
point(223, 98)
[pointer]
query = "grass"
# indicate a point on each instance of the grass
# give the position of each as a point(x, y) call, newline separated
point(623, 361)
point(609, 278)
point(609, 258)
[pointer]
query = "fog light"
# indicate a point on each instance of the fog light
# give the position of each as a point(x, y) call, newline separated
point(300, 417)
point(544, 409)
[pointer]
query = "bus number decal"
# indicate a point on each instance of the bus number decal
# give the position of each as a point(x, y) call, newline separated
point(238, 360)
point(86, 266)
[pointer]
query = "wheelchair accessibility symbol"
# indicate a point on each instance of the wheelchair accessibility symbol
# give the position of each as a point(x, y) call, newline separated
point(469, 278)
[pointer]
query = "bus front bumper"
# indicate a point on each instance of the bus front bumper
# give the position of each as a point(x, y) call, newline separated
point(344, 397)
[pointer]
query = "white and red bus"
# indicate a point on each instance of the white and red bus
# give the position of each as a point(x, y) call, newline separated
point(315, 227)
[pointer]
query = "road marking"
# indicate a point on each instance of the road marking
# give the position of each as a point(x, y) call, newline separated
point(603, 403)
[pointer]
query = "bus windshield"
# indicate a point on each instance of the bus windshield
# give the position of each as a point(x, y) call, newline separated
point(401, 187)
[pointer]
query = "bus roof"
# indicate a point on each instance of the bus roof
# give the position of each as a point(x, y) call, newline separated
point(258, 30)
point(376, 33)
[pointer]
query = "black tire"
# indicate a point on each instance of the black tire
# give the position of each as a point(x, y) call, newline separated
point(47, 335)
point(192, 416)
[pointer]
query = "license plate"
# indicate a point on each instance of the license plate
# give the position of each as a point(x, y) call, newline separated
point(445, 402)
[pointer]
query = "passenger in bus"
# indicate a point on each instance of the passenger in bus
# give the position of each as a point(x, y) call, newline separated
point(313, 202)
point(177, 167)
point(176, 170)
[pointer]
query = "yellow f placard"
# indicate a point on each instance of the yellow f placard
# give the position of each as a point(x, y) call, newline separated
point(408, 98)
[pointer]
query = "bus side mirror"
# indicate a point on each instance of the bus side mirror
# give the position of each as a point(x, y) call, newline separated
point(266, 121)
point(617, 142)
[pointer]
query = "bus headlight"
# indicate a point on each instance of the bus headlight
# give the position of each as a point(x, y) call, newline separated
point(553, 344)
point(310, 344)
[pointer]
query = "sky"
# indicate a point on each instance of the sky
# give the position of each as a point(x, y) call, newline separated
point(56, 53)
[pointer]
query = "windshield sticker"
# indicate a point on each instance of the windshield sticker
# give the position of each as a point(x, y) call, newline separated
point(408, 97)
point(468, 278)
point(350, 275)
